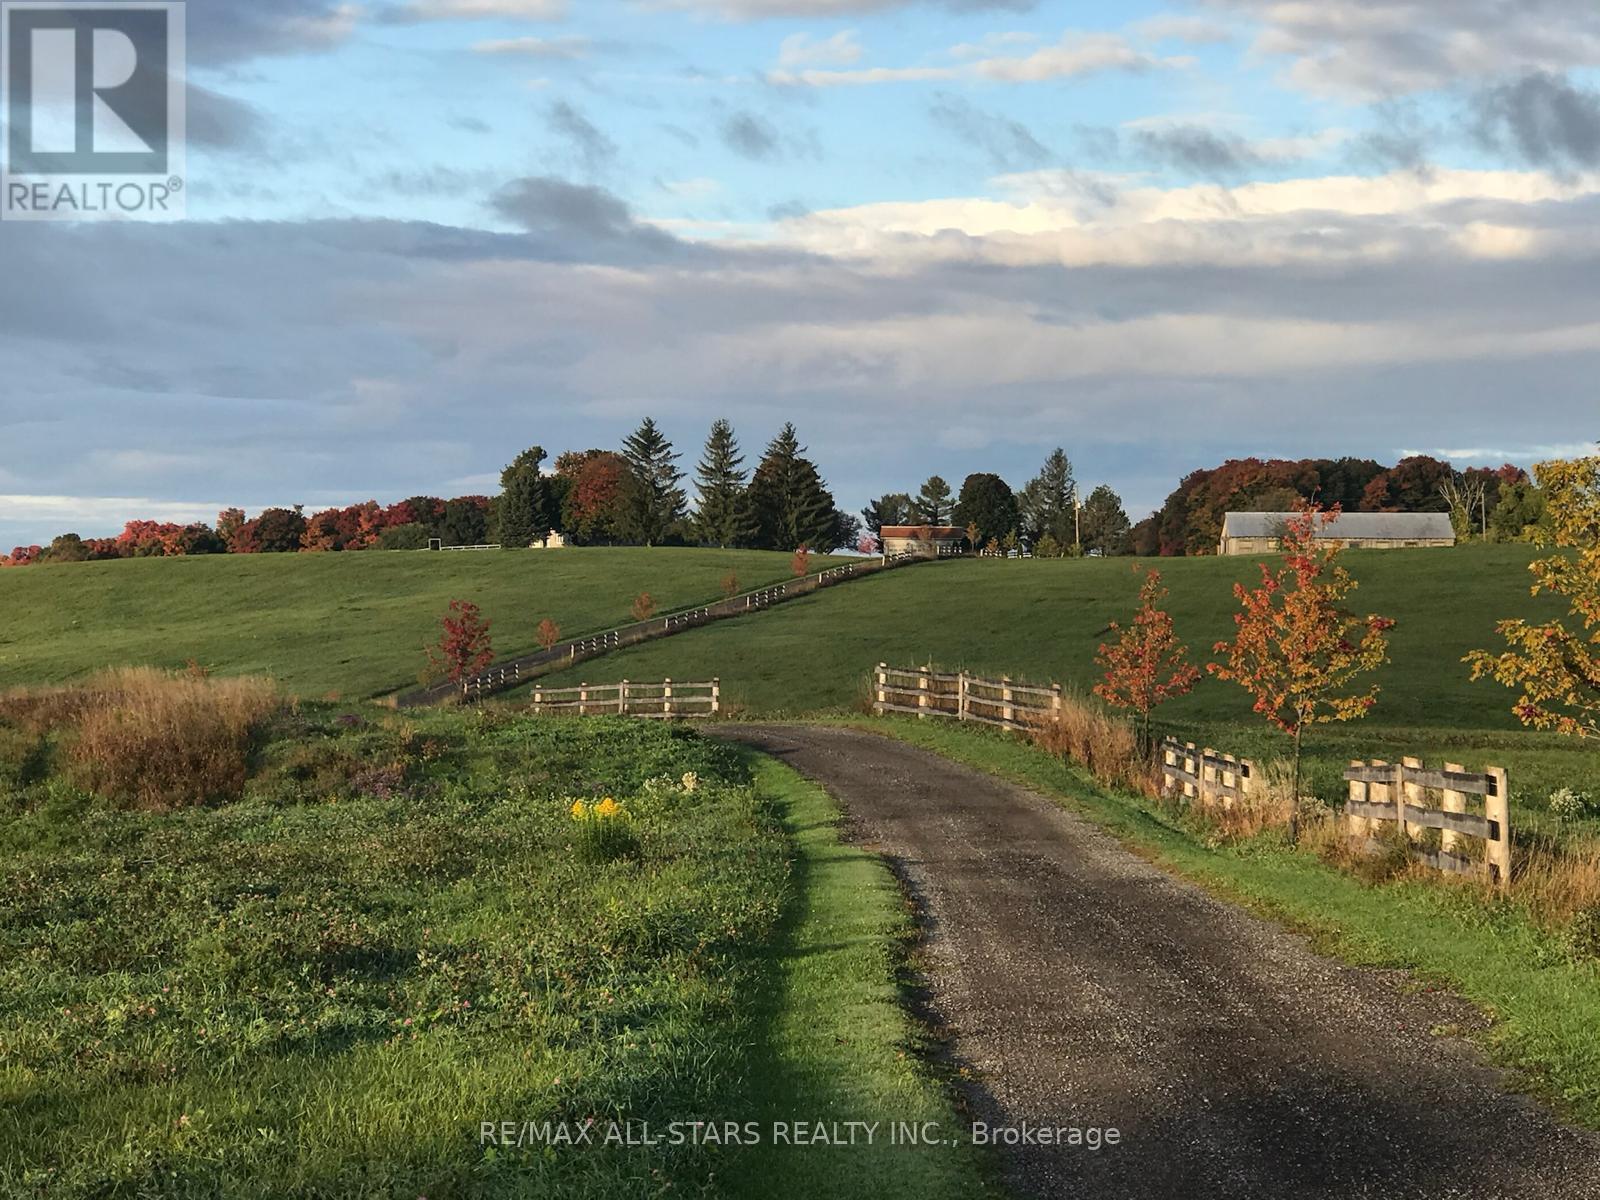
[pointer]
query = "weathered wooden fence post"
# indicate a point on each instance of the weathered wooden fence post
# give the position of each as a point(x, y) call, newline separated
point(583, 699)
point(1008, 713)
point(666, 697)
point(538, 701)
point(1452, 801)
point(1380, 793)
point(1411, 793)
point(1208, 775)
point(622, 698)
point(881, 688)
point(716, 694)
point(1497, 807)
point(961, 696)
point(1358, 827)
point(922, 693)
point(1191, 766)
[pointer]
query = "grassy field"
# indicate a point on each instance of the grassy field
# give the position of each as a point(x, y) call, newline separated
point(1541, 987)
point(354, 624)
point(1044, 620)
point(397, 930)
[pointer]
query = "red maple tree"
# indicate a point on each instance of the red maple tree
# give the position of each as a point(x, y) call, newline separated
point(800, 564)
point(1148, 665)
point(549, 634)
point(1297, 649)
point(644, 606)
point(464, 646)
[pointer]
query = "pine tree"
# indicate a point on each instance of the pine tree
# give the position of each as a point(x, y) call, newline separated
point(524, 504)
point(659, 501)
point(791, 505)
point(722, 517)
point(891, 509)
point(932, 505)
point(1047, 502)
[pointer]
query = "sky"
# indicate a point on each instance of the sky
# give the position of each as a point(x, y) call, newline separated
point(937, 235)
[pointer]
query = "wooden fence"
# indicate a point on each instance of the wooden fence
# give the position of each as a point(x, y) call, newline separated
point(1401, 793)
point(665, 700)
point(1204, 775)
point(512, 672)
point(927, 693)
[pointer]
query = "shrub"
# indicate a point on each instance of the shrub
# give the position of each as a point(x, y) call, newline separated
point(549, 634)
point(1568, 805)
point(800, 564)
point(644, 606)
point(730, 585)
point(411, 536)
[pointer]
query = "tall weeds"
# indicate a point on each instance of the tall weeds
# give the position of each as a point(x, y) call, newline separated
point(1105, 746)
point(144, 738)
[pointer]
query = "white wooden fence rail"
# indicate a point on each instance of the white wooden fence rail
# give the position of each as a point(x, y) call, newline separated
point(665, 700)
point(924, 692)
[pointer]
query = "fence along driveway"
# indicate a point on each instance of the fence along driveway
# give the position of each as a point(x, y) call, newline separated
point(509, 674)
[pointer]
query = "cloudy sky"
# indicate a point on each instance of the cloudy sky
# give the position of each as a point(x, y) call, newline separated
point(939, 235)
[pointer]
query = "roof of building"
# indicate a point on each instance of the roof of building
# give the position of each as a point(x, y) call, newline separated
point(1379, 526)
point(936, 532)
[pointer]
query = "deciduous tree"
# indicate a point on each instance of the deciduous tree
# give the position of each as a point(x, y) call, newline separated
point(644, 606)
point(1297, 650)
point(1148, 665)
point(1104, 523)
point(464, 646)
point(1556, 664)
point(987, 502)
point(549, 634)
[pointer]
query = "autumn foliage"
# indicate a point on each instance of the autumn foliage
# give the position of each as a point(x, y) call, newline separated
point(644, 606)
point(1297, 649)
point(1148, 665)
point(464, 646)
point(549, 633)
point(730, 585)
point(1557, 664)
point(800, 564)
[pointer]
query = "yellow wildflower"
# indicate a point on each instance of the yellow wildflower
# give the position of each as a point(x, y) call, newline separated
point(580, 810)
point(607, 808)
point(690, 781)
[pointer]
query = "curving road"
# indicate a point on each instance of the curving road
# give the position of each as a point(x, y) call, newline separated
point(1085, 988)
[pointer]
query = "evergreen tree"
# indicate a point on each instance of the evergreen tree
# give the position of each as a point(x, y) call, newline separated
point(986, 501)
point(891, 509)
point(658, 502)
point(789, 502)
point(722, 516)
point(932, 505)
point(1105, 525)
point(1047, 501)
point(524, 508)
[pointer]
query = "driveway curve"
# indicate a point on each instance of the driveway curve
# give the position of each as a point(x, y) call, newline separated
point(1083, 987)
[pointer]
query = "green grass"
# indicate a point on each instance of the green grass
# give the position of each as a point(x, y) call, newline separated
point(1044, 620)
point(834, 1041)
point(1543, 992)
point(398, 931)
point(354, 624)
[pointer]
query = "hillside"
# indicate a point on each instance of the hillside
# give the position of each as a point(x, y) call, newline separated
point(1043, 620)
point(348, 623)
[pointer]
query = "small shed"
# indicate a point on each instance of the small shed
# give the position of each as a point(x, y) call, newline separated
point(929, 541)
point(1259, 533)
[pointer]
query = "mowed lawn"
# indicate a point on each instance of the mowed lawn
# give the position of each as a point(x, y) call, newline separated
point(354, 624)
point(1044, 620)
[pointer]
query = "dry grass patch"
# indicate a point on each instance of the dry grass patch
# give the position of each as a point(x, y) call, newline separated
point(1104, 745)
point(144, 738)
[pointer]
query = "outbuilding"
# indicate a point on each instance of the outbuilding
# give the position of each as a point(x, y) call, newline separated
point(1259, 533)
point(929, 541)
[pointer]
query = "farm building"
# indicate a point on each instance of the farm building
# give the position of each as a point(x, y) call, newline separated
point(932, 541)
point(1258, 533)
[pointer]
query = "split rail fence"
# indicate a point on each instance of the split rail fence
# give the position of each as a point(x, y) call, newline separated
point(1204, 775)
point(1001, 702)
point(665, 700)
point(1401, 794)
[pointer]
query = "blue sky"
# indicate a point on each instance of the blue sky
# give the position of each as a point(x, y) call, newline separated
point(421, 236)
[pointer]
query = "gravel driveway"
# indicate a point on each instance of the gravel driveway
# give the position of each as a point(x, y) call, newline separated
point(1085, 988)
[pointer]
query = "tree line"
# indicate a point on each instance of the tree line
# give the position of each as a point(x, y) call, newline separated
point(1048, 518)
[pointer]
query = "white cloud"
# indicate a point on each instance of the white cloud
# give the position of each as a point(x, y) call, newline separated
point(1176, 27)
point(476, 10)
point(535, 47)
point(1074, 55)
point(803, 50)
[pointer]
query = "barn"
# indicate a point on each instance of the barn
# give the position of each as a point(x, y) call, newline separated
point(931, 541)
point(1259, 533)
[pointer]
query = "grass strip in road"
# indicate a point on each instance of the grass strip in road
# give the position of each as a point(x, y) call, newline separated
point(1542, 992)
point(835, 1042)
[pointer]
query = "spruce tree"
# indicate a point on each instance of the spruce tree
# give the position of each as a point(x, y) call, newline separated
point(722, 515)
point(658, 502)
point(932, 504)
point(1047, 502)
point(523, 510)
point(789, 502)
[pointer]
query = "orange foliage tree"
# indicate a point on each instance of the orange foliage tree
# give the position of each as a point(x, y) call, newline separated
point(1557, 664)
point(464, 646)
point(1297, 649)
point(549, 634)
point(644, 606)
point(801, 562)
point(1148, 665)
point(730, 585)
